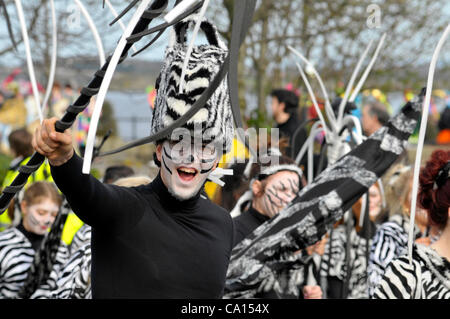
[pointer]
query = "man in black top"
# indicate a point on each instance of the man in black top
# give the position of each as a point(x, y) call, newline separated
point(164, 239)
point(284, 110)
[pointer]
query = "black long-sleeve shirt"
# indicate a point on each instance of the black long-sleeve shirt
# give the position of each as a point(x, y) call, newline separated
point(145, 242)
point(246, 223)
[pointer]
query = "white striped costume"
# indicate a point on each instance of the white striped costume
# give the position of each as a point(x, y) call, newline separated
point(390, 241)
point(16, 257)
point(337, 267)
point(73, 279)
point(428, 277)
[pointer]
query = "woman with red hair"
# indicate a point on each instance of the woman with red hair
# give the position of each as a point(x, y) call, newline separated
point(428, 275)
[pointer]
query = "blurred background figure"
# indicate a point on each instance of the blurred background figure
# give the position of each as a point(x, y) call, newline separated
point(374, 115)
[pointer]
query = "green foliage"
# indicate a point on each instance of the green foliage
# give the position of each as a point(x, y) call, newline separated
point(107, 121)
point(259, 119)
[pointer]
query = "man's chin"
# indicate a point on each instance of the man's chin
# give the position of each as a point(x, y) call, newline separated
point(182, 195)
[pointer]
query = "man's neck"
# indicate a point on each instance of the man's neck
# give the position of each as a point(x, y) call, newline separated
point(282, 118)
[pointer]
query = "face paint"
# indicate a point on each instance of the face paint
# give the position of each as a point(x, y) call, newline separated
point(185, 167)
point(281, 188)
point(39, 217)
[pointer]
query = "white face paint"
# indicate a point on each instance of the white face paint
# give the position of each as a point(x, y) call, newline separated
point(185, 167)
point(280, 189)
point(39, 217)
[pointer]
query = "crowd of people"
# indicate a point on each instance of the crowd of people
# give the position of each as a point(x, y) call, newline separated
point(268, 232)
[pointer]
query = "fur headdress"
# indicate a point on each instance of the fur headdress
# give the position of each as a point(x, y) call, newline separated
point(215, 117)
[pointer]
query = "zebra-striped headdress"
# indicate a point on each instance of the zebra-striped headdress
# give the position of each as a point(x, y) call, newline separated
point(215, 118)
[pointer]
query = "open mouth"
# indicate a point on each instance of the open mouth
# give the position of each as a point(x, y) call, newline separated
point(187, 173)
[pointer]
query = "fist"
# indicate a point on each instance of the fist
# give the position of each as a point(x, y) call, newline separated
point(56, 146)
point(312, 292)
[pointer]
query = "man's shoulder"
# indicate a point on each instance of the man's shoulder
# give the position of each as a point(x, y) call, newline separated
point(218, 210)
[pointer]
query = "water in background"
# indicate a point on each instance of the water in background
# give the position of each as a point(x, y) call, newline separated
point(132, 112)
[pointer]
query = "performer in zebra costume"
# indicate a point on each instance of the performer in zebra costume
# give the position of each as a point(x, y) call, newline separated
point(427, 276)
point(391, 238)
point(164, 239)
point(271, 189)
point(18, 245)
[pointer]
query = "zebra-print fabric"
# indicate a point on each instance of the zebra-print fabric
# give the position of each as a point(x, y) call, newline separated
point(73, 279)
point(215, 118)
point(390, 241)
point(428, 277)
point(81, 238)
point(318, 205)
point(16, 257)
point(334, 261)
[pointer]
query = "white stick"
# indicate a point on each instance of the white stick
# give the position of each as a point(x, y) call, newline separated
point(359, 137)
point(328, 109)
point(30, 66)
point(191, 44)
point(105, 85)
point(350, 84)
point(362, 214)
point(313, 99)
point(312, 134)
point(423, 127)
point(98, 41)
point(368, 69)
point(51, 77)
point(179, 9)
point(115, 14)
point(310, 160)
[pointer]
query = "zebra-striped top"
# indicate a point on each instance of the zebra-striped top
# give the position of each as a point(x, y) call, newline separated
point(337, 267)
point(390, 241)
point(73, 279)
point(16, 257)
point(428, 277)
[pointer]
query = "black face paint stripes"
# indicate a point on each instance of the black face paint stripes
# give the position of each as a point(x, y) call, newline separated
point(165, 165)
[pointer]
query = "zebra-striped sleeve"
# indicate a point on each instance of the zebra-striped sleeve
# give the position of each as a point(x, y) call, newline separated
point(389, 243)
point(399, 281)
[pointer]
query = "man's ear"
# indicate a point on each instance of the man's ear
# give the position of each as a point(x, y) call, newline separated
point(257, 188)
point(159, 151)
point(282, 106)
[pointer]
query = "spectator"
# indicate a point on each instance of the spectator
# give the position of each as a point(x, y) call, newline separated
point(374, 116)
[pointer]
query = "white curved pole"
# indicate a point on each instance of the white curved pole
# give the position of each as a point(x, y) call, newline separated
point(313, 99)
point(98, 41)
point(30, 66)
point(105, 85)
point(310, 172)
point(191, 44)
point(314, 130)
point(54, 57)
point(328, 109)
point(359, 134)
point(182, 7)
point(350, 84)
point(368, 69)
point(115, 14)
point(422, 130)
